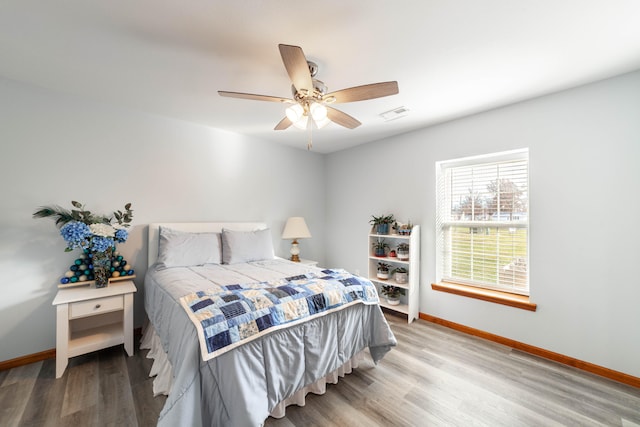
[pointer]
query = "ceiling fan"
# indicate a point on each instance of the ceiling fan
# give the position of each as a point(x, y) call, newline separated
point(309, 106)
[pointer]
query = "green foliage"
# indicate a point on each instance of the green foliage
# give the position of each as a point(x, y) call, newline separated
point(124, 218)
point(399, 270)
point(391, 291)
point(382, 219)
point(63, 216)
point(403, 247)
point(505, 243)
point(383, 267)
point(380, 244)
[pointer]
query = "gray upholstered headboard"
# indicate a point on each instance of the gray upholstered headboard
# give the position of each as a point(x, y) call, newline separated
point(194, 227)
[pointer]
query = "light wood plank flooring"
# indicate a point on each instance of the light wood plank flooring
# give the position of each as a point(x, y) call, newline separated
point(435, 377)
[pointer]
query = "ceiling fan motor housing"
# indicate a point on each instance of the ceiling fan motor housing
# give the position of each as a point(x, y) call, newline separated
point(313, 68)
point(319, 90)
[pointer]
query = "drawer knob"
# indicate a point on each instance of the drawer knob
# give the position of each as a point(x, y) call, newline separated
point(97, 305)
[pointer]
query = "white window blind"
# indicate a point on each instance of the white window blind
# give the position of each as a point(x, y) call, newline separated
point(483, 221)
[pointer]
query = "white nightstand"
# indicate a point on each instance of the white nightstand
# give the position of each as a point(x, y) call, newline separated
point(90, 319)
point(309, 262)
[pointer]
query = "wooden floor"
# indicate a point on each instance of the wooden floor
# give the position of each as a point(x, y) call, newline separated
point(435, 377)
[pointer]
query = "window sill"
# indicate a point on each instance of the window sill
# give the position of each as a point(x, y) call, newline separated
point(504, 298)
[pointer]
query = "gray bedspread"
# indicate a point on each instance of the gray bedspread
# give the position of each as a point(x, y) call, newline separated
point(242, 386)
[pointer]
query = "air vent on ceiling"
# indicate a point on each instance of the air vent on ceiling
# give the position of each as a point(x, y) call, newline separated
point(396, 113)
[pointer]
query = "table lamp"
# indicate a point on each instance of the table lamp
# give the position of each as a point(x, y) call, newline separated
point(295, 229)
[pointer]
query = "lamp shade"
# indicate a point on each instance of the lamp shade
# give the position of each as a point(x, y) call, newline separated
point(296, 228)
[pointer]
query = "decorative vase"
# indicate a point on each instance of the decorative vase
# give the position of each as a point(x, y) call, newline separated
point(382, 275)
point(402, 254)
point(393, 301)
point(102, 267)
point(402, 277)
point(382, 228)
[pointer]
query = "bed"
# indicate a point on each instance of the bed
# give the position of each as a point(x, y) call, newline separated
point(247, 376)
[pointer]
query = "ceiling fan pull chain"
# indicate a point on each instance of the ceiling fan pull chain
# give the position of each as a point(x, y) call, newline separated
point(310, 127)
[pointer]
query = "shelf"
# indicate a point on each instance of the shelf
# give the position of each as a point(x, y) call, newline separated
point(88, 340)
point(389, 259)
point(390, 282)
point(391, 236)
point(93, 282)
point(402, 308)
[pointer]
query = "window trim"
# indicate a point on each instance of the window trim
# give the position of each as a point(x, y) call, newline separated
point(490, 295)
point(472, 289)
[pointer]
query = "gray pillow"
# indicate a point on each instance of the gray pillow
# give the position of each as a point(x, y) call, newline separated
point(183, 249)
point(245, 246)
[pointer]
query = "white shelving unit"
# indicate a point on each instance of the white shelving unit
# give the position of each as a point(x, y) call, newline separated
point(408, 302)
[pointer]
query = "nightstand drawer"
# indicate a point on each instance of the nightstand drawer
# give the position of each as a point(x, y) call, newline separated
point(95, 306)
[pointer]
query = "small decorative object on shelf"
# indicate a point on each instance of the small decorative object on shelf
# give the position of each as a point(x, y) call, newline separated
point(392, 293)
point(382, 223)
point(404, 229)
point(400, 275)
point(97, 236)
point(383, 271)
point(403, 251)
point(83, 269)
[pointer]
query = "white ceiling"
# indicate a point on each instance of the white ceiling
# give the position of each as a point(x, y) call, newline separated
point(451, 58)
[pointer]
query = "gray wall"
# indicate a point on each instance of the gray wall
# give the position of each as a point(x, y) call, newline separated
point(584, 145)
point(56, 148)
point(584, 193)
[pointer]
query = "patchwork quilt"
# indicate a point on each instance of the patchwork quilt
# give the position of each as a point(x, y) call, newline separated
point(228, 316)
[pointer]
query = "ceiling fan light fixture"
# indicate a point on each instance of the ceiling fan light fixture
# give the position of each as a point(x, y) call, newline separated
point(294, 113)
point(322, 123)
point(318, 112)
point(301, 123)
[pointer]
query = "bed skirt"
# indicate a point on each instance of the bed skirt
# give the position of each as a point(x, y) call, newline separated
point(161, 370)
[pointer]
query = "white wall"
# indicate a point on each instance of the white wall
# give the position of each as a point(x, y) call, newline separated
point(56, 148)
point(584, 194)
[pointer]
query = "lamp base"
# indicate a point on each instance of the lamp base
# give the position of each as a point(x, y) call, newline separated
point(295, 251)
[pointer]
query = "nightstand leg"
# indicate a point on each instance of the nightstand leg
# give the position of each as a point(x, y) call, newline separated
point(62, 339)
point(128, 324)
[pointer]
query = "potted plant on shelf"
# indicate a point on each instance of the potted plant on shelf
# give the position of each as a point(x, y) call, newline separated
point(404, 229)
point(382, 223)
point(400, 275)
point(403, 251)
point(379, 248)
point(392, 293)
point(383, 271)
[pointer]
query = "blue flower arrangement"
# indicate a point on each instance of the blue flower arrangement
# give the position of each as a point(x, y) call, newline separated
point(96, 236)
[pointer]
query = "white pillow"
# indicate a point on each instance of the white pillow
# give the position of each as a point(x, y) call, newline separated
point(245, 246)
point(183, 249)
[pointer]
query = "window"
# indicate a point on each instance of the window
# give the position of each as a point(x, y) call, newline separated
point(483, 221)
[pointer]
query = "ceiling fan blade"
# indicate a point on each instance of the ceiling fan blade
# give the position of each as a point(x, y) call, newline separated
point(361, 93)
point(296, 64)
point(283, 124)
point(343, 119)
point(254, 97)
